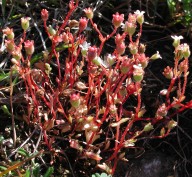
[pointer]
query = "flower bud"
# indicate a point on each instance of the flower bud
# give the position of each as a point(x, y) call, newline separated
point(117, 19)
point(183, 51)
point(25, 23)
point(112, 108)
point(51, 30)
point(132, 18)
point(121, 48)
point(17, 53)
point(129, 28)
point(89, 13)
point(65, 38)
point(71, 4)
point(80, 85)
point(125, 66)
point(9, 33)
point(47, 68)
point(104, 167)
point(177, 102)
point(148, 127)
point(123, 92)
point(168, 72)
point(163, 92)
point(75, 144)
point(171, 124)
point(155, 56)
point(57, 39)
point(73, 24)
point(140, 16)
point(131, 88)
point(44, 15)
point(75, 100)
point(118, 39)
point(110, 59)
point(183, 66)
point(186, 51)
point(162, 110)
point(133, 48)
point(83, 24)
point(179, 52)
point(138, 73)
point(10, 45)
point(45, 55)
point(92, 155)
point(14, 61)
point(29, 47)
point(142, 48)
point(92, 53)
point(162, 132)
point(97, 61)
point(143, 60)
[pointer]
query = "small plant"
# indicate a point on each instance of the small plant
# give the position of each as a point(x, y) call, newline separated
point(86, 98)
point(101, 175)
point(180, 11)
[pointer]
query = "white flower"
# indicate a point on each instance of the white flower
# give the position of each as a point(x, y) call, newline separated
point(84, 48)
point(138, 12)
point(140, 16)
point(109, 59)
point(137, 66)
point(155, 56)
point(176, 41)
point(177, 37)
point(185, 51)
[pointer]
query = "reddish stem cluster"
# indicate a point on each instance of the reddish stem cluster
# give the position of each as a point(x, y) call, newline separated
point(85, 105)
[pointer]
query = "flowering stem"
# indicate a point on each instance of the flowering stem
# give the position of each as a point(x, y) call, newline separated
point(138, 87)
point(169, 90)
point(46, 29)
point(185, 76)
point(67, 18)
point(129, 125)
point(58, 64)
point(139, 34)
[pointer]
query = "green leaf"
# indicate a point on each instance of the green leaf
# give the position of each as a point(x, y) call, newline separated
point(2, 168)
point(1, 138)
point(15, 81)
point(39, 56)
point(36, 170)
point(17, 164)
point(172, 6)
point(27, 173)
point(23, 152)
point(96, 175)
point(3, 7)
point(101, 175)
point(5, 110)
point(4, 76)
point(49, 172)
point(104, 175)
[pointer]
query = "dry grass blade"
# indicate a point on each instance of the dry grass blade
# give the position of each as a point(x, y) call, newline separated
point(15, 166)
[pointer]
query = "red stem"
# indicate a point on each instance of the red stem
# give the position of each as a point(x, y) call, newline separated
point(185, 76)
point(138, 87)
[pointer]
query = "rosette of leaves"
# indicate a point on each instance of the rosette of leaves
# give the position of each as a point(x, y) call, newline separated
point(101, 175)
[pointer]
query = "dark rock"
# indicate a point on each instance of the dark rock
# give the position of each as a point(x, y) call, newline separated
point(151, 164)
